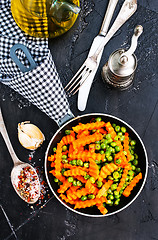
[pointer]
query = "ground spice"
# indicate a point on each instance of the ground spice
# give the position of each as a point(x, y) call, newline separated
point(28, 185)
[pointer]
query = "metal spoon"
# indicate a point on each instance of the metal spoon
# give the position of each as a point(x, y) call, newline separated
point(20, 166)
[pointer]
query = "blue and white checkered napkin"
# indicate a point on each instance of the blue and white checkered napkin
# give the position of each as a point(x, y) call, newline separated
point(41, 86)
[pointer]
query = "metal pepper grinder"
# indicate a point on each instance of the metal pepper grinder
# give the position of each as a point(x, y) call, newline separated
point(120, 68)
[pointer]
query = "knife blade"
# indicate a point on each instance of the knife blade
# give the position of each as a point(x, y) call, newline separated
point(85, 88)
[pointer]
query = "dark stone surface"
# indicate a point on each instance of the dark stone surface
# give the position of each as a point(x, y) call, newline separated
point(138, 106)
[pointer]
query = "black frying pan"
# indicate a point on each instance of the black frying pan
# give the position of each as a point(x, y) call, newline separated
point(140, 150)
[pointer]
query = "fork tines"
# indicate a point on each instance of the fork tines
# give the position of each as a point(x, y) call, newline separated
point(76, 82)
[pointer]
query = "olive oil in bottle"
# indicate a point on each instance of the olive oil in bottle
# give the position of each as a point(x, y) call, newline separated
point(45, 18)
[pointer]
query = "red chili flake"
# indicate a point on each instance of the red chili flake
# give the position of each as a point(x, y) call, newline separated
point(30, 158)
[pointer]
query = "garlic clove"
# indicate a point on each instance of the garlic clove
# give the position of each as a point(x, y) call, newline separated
point(30, 136)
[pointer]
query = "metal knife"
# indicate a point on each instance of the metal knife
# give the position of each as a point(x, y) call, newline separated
point(85, 88)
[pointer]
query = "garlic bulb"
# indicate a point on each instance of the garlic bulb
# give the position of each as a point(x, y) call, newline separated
point(29, 135)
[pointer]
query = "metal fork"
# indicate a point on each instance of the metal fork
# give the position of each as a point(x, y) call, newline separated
point(127, 10)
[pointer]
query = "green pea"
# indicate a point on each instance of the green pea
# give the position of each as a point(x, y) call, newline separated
point(125, 152)
point(56, 180)
point(109, 191)
point(64, 148)
point(79, 183)
point(63, 170)
point(99, 184)
point(133, 167)
point(116, 203)
point(80, 162)
point(64, 156)
point(116, 138)
point(138, 170)
point(116, 180)
point(135, 156)
point(119, 134)
point(117, 128)
point(97, 161)
point(113, 186)
point(54, 149)
point(67, 132)
point(101, 152)
point(123, 129)
point(110, 158)
point(97, 146)
point(60, 183)
point(98, 119)
point(110, 149)
point(113, 144)
point(124, 185)
point(109, 202)
point(110, 178)
point(99, 166)
point(86, 177)
point(91, 196)
point(107, 154)
point(130, 177)
point(122, 138)
point(74, 162)
point(110, 140)
point(94, 130)
point(132, 157)
point(70, 179)
point(130, 172)
point(116, 175)
point(92, 179)
point(117, 149)
point(133, 147)
point(86, 165)
point(113, 125)
point(105, 163)
point(108, 136)
point(135, 162)
point(84, 198)
point(118, 161)
point(97, 142)
point(133, 142)
point(74, 183)
point(103, 145)
point(105, 141)
point(119, 169)
point(132, 152)
point(116, 193)
point(111, 197)
point(117, 196)
point(127, 178)
point(121, 191)
point(65, 161)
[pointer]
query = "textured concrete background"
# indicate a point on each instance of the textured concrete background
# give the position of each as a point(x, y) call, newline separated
point(138, 106)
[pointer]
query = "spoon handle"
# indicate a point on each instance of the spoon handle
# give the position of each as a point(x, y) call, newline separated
point(5, 136)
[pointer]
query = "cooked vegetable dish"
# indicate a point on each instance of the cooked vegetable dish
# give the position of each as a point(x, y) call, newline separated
point(95, 164)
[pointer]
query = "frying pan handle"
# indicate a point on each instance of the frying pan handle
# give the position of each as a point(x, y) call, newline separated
point(66, 118)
